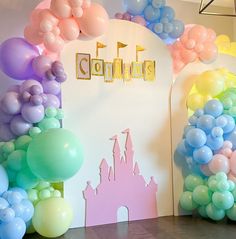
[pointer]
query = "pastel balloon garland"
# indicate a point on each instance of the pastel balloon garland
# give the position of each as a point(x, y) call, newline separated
point(31, 138)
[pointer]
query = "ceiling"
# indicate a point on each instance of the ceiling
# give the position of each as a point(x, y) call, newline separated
point(222, 3)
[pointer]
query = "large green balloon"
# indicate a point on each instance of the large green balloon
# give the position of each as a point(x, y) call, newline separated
point(55, 155)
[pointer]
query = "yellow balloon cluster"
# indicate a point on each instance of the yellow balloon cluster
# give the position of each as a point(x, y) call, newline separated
point(225, 45)
point(208, 85)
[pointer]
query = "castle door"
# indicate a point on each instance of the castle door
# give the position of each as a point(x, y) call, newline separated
point(122, 214)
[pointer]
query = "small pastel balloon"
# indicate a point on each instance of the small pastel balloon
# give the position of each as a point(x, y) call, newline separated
point(69, 29)
point(136, 7)
point(186, 201)
point(205, 170)
point(211, 35)
point(31, 34)
point(41, 64)
point(214, 212)
point(22, 142)
point(196, 138)
point(219, 163)
point(7, 215)
point(188, 56)
point(36, 100)
point(26, 86)
point(139, 20)
point(214, 143)
point(5, 133)
point(32, 113)
point(51, 86)
point(11, 103)
point(77, 12)
point(198, 33)
point(214, 108)
point(168, 12)
point(19, 126)
point(231, 213)
point(195, 101)
point(229, 127)
point(54, 43)
point(34, 131)
point(28, 210)
point(61, 8)
point(4, 180)
point(158, 28)
point(52, 101)
point(223, 200)
point(49, 123)
point(158, 3)
point(16, 55)
point(202, 155)
point(52, 217)
point(51, 112)
point(206, 123)
point(151, 14)
point(202, 195)
point(4, 117)
point(192, 181)
point(119, 16)
point(209, 54)
point(17, 160)
point(127, 16)
point(97, 25)
point(178, 29)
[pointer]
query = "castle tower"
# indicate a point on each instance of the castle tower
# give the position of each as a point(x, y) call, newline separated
point(116, 157)
point(104, 170)
point(129, 153)
point(89, 192)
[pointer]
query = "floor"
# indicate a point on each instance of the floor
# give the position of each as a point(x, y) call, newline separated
point(162, 228)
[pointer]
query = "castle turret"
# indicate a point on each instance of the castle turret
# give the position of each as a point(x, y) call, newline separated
point(89, 192)
point(104, 171)
point(152, 185)
point(129, 153)
point(116, 156)
point(136, 169)
point(111, 174)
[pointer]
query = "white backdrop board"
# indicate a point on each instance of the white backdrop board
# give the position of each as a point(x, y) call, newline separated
point(95, 111)
point(179, 115)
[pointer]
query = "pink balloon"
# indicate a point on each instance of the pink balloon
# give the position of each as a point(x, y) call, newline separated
point(69, 29)
point(190, 44)
point(32, 35)
point(219, 163)
point(232, 161)
point(127, 16)
point(205, 170)
point(211, 35)
point(53, 43)
point(209, 54)
point(94, 21)
point(47, 15)
point(61, 8)
point(34, 17)
point(232, 177)
point(77, 12)
point(199, 48)
point(198, 33)
point(44, 4)
point(139, 20)
point(188, 56)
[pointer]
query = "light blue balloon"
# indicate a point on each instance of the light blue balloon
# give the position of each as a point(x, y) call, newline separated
point(21, 191)
point(13, 230)
point(4, 182)
point(214, 143)
point(3, 203)
point(158, 3)
point(7, 215)
point(213, 107)
point(198, 112)
point(168, 27)
point(158, 28)
point(28, 210)
point(221, 121)
point(151, 14)
point(196, 138)
point(168, 12)
point(217, 132)
point(136, 7)
point(178, 29)
point(230, 125)
point(184, 149)
point(151, 26)
point(232, 138)
point(206, 123)
point(164, 20)
point(202, 155)
point(187, 128)
point(163, 35)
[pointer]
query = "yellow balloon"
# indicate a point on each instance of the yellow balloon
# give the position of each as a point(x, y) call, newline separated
point(210, 83)
point(195, 101)
point(52, 217)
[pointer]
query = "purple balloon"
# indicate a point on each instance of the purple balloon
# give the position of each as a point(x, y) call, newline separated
point(19, 126)
point(26, 86)
point(41, 64)
point(51, 87)
point(36, 100)
point(36, 90)
point(15, 88)
point(52, 101)
point(119, 15)
point(139, 20)
point(16, 55)
point(32, 113)
point(4, 117)
point(10, 103)
point(49, 75)
point(25, 96)
point(6, 133)
point(127, 16)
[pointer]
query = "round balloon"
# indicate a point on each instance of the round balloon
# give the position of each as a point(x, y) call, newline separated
point(4, 180)
point(55, 155)
point(16, 56)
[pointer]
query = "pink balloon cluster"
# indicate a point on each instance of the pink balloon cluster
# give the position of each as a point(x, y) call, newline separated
point(126, 16)
point(64, 21)
point(224, 161)
point(23, 106)
point(197, 43)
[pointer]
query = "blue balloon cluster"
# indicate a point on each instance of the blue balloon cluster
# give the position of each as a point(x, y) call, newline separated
point(15, 210)
point(160, 18)
point(206, 132)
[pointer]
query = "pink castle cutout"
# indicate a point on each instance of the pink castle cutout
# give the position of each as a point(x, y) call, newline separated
point(121, 187)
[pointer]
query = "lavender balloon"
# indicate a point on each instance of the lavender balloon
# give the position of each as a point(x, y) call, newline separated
point(41, 65)
point(16, 55)
point(52, 101)
point(10, 103)
point(26, 86)
point(32, 113)
point(4, 117)
point(20, 126)
point(51, 86)
point(15, 88)
point(6, 133)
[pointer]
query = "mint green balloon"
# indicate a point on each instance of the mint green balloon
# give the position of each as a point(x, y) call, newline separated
point(234, 193)
point(202, 195)
point(8, 147)
point(23, 142)
point(186, 201)
point(214, 213)
point(202, 211)
point(192, 181)
point(55, 155)
point(223, 200)
point(17, 160)
point(231, 213)
point(34, 131)
point(49, 123)
point(223, 186)
point(213, 185)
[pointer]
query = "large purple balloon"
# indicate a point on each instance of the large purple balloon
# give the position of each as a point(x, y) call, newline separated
point(32, 113)
point(19, 126)
point(16, 56)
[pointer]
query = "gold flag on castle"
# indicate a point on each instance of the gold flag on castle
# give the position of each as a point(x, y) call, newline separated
point(138, 49)
point(99, 46)
point(120, 45)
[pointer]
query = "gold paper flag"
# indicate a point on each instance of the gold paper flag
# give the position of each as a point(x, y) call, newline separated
point(99, 46)
point(138, 49)
point(120, 45)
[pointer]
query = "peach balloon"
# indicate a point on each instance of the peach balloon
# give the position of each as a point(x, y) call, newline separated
point(32, 35)
point(61, 8)
point(211, 35)
point(94, 21)
point(34, 17)
point(232, 161)
point(209, 54)
point(69, 29)
point(44, 4)
point(219, 163)
point(232, 177)
point(47, 15)
point(54, 46)
point(198, 33)
point(188, 56)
